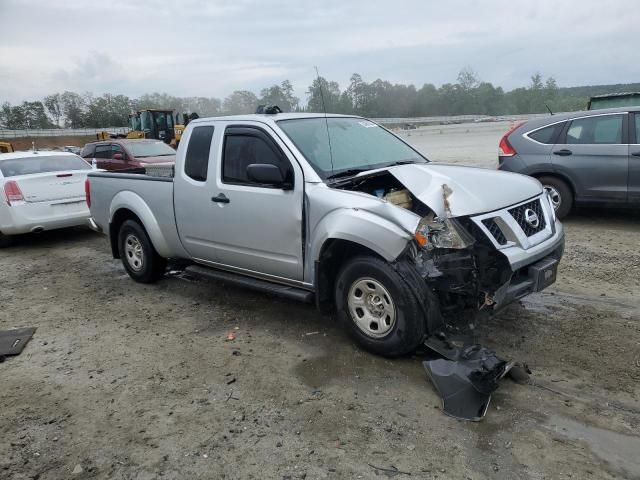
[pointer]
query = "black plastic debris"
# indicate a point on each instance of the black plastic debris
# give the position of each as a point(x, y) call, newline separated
point(13, 341)
point(465, 378)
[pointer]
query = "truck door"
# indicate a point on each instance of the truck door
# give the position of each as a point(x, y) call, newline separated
point(246, 226)
point(593, 152)
point(634, 160)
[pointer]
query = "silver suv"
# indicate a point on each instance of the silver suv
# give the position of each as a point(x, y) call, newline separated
point(588, 157)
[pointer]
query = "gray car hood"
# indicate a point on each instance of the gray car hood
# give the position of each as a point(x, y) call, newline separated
point(473, 190)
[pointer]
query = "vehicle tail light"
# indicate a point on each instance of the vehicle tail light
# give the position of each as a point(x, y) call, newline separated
point(87, 192)
point(12, 192)
point(505, 148)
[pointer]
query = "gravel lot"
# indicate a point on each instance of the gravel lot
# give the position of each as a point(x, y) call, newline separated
point(128, 381)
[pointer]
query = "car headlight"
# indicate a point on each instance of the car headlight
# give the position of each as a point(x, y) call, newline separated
point(436, 232)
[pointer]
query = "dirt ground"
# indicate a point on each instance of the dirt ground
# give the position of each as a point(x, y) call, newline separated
point(130, 381)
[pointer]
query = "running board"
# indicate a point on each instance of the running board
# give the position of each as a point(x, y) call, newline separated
point(285, 291)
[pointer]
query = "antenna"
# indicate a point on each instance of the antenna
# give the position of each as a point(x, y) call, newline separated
point(550, 112)
point(326, 122)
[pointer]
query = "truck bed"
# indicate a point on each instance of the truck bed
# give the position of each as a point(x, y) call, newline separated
point(148, 196)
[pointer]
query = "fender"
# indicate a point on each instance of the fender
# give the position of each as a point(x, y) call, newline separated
point(131, 201)
point(366, 228)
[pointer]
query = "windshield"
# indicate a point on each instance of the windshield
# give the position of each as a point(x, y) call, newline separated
point(352, 144)
point(150, 149)
point(42, 164)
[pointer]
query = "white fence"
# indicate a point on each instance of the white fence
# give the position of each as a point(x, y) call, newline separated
point(77, 132)
point(60, 132)
point(456, 119)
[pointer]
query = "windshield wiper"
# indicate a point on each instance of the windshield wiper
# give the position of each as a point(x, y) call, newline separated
point(401, 162)
point(347, 173)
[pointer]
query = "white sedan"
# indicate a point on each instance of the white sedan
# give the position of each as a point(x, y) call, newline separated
point(42, 191)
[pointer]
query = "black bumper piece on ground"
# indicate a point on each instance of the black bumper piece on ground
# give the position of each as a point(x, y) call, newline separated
point(465, 377)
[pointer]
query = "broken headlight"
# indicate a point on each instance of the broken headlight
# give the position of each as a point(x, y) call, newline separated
point(436, 232)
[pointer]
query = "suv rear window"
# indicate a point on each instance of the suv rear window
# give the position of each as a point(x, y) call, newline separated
point(29, 166)
point(547, 135)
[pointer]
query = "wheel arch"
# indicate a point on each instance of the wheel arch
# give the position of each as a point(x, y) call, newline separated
point(559, 176)
point(128, 205)
point(333, 255)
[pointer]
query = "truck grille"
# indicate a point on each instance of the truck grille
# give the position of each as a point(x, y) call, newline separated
point(495, 231)
point(519, 214)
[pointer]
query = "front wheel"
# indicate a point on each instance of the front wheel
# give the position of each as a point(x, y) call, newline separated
point(140, 259)
point(560, 193)
point(379, 310)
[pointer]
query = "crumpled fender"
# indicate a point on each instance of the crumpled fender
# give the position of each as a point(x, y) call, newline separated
point(360, 226)
point(131, 201)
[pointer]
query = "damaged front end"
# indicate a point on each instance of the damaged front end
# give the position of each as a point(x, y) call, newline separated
point(458, 253)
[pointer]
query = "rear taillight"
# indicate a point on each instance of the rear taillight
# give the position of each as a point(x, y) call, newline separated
point(87, 192)
point(12, 192)
point(505, 148)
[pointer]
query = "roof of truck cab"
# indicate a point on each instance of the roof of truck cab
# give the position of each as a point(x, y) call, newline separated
point(260, 117)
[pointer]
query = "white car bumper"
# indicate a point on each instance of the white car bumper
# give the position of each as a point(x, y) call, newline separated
point(25, 217)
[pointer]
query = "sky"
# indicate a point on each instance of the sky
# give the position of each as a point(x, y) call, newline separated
point(211, 48)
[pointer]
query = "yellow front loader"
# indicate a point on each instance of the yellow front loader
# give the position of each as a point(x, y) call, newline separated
point(6, 147)
point(157, 124)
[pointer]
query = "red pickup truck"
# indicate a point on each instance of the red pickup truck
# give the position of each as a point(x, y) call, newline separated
point(123, 154)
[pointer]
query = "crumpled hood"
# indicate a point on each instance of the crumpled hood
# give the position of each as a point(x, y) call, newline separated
point(473, 190)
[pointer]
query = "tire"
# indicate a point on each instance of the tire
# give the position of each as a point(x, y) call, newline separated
point(559, 190)
point(140, 259)
point(5, 240)
point(359, 305)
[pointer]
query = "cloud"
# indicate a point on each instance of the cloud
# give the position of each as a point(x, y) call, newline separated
point(211, 48)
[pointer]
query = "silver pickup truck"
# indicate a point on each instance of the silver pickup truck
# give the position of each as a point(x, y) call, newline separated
point(338, 210)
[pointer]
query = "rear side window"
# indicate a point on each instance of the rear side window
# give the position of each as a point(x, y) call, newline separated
point(88, 150)
point(28, 166)
point(240, 151)
point(547, 135)
point(196, 162)
point(602, 130)
point(103, 151)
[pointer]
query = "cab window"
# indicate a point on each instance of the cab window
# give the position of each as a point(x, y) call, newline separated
point(196, 163)
point(246, 146)
point(103, 151)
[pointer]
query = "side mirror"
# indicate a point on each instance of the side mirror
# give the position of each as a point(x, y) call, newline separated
point(117, 156)
point(266, 174)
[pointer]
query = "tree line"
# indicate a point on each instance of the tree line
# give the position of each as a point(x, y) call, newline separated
point(467, 96)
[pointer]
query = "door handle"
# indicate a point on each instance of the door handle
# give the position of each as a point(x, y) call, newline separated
point(563, 153)
point(222, 198)
point(636, 154)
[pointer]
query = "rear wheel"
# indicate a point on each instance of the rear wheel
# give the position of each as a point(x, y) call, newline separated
point(560, 193)
point(5, 240)
point(379, 310)
point(140, 259)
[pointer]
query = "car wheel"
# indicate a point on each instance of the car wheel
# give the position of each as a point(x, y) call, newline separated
point(560, 193)
point(5, 240)
point(377, 307)
point(140, 259)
